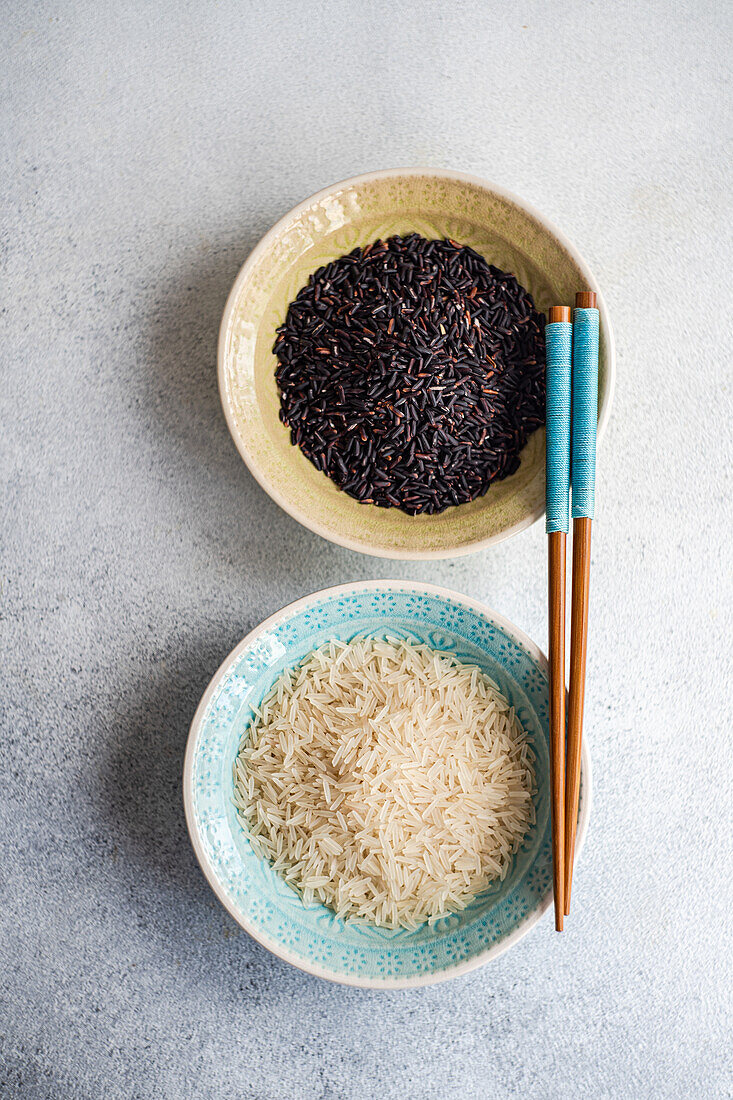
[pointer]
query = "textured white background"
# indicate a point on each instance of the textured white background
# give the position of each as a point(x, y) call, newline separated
point(146, 147)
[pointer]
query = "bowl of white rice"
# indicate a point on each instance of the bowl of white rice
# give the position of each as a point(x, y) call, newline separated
point(366, 784)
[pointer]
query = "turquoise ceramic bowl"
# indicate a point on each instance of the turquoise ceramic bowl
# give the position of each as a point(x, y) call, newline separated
point(313, 938)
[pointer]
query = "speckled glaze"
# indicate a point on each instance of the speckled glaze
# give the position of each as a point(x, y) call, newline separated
point(508, 232)
point(257, 897)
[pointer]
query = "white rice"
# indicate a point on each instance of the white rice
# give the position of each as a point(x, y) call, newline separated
point(386, 780)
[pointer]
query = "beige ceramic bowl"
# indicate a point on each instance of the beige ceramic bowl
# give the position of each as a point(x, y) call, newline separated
point(435, 203)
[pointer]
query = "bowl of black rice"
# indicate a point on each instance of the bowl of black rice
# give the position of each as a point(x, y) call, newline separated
point(382, 361)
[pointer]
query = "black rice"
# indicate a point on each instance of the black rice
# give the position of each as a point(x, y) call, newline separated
point(412, 373)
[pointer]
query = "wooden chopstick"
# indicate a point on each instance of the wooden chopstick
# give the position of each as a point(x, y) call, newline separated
point(558, 338)
point(556, 568)
point(585, 401)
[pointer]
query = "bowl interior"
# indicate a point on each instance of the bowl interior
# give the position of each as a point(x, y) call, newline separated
point(313, 938)
point(322, 229)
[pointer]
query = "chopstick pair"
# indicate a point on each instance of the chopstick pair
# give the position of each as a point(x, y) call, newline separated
point(572, 410)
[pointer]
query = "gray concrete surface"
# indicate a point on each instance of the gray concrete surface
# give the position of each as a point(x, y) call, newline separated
point(146, 147)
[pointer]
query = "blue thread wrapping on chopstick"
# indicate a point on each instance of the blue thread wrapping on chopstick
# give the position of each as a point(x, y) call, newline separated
point(558, 351)
point(585, 410)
